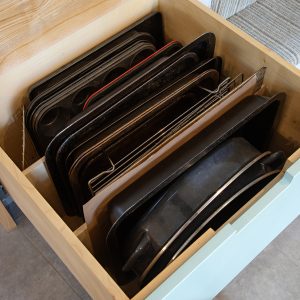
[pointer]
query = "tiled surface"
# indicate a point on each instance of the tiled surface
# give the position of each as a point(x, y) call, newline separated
point(274, 274)
point(29, 269)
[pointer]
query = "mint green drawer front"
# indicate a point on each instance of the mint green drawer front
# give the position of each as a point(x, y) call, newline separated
point(210, 269)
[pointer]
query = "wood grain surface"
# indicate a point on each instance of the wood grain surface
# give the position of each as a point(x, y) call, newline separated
point(22, 22)
point(5, 218)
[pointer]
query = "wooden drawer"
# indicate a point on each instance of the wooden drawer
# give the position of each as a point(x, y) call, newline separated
point(214, 259)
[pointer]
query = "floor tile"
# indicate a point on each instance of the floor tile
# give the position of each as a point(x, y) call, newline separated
point(274, 274)
point(36, 239)
point(289, 242)
point(25, 274)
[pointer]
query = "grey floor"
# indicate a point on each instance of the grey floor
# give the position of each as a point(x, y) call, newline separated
point(29, 269)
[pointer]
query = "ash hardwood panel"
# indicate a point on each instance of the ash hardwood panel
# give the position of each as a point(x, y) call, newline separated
point(22, 22)
point(39, 176)
point(5, 219)
point(83, 235)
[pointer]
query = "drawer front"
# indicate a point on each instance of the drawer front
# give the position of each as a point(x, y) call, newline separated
point(211, 268)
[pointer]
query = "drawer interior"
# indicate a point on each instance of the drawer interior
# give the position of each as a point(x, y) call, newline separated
point(241, 54)
point(184, 21)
